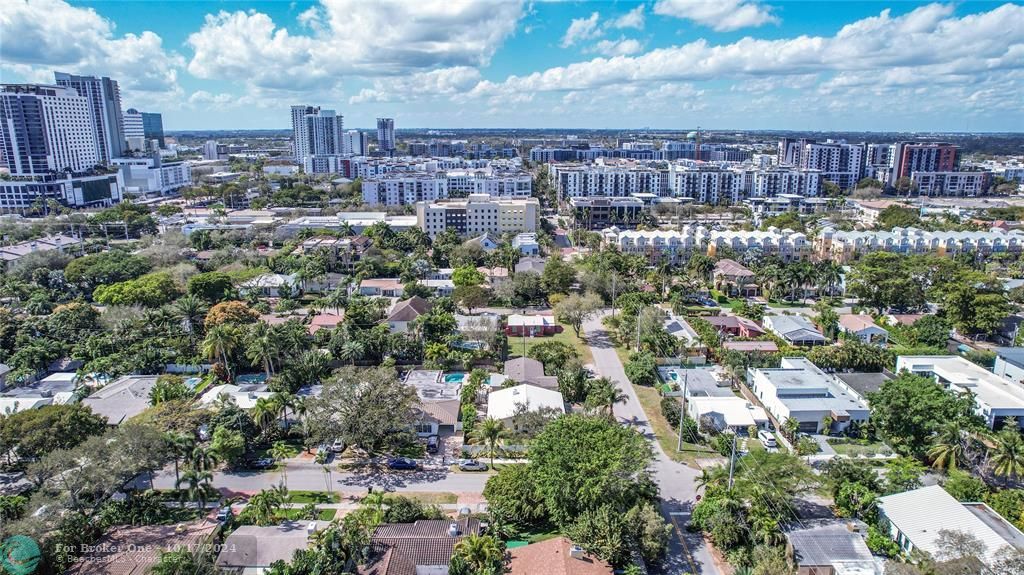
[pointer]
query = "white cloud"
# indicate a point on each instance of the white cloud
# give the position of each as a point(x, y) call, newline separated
point(720, 15)
point(441, 82)
point(47, 35)
point(632, 19)
point(351, 37)
point(620, 47)
point(582, 29)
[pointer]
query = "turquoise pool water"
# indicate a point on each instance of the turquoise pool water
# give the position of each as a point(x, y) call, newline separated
point(454, 377)
point(192, 382)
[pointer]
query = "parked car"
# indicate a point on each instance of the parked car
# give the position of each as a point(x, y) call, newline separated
point(403, 464)
point(433, 444)
point(472, 465)
point(260, 463)
point(767, 439)
point(338, 446)
point(224, 513)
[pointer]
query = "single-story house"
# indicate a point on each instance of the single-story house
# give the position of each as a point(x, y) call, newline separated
point(529, 370)
point(531, 264)
point(995, 397)
point(907, 319)
point(434, 417)
point(441, 288)
point(1010, 363)
point(863, 327)
point(271, 285)
point(405, 312)
point(731, 413)
point(557, 556)
point(831, 548)
point(680, 329)
point(244, 396)
point(531, 325)
point(122, 399)
point(250, 550)
point(752, 346)
point(54, 389)
point(381, 287)
point(735, 325)
point(325, 284)
point(796, 330)
point(799, 389)
point(494, 277)
point(325, 321)
point(527, 244)
point(134, 550)
point(486, 241)
point(421, 548)
point(503, 404)
point(734, 278)
point(916, 519)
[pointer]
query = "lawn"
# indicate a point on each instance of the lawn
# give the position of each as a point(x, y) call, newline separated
point(729, 301)
point(428, 497)
point(298, 496)
point(650, 400)
point(568, 336)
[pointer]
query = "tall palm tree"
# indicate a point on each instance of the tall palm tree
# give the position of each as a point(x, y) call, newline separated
point(284, 401)
point(790, 427)
point(261, 347)
point(280, 451)
point(481, 554)
point(829, 274)
point(490, 433)
point(948, 449)
point(265, 412)
point(198, 481)
point(352, 350)
point(220, 342)
point(181, 445)
point(203, 458)
point(190, 310)
point(1007, 456)
point(603, 395)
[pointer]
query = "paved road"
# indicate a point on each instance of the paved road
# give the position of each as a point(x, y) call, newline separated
point(687, 552)
point(308, 475)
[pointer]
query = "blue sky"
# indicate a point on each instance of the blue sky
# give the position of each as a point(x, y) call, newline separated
point(721, 64)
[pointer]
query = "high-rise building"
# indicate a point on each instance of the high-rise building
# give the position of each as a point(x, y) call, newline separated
point(905, 158)
point(316, 132)
point(153, 127)
point(355, 143)
point(104, 99)
point(133, 124)
point(46, 129)
point(839, 162)
point(300, 138)
point(386, 135)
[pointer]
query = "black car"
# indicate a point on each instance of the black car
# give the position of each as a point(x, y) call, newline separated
point(261, 463)
point(433, 444)
point(472, 465)
point(403, 463)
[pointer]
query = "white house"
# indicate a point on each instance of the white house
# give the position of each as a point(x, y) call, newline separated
point(863, 328)
point(797, 330)
point(405, 312)
point(502, 404)
point(271, 285)
point(916, 519)
point(995, 397)
point(1010, 363)
point(727, 413)
point(799, 389)
point(250, 550)
point(526, 244)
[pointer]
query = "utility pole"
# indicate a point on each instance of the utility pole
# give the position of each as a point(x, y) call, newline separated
point(682, 409)
point(732, 460)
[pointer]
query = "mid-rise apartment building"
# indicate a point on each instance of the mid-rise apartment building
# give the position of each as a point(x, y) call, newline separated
point(677, 246)
point(951, 183)
point(46, 129)
point(151, 175)
point(842, 247)
point(104, 102)
point(600, 212)
point(840, 163)
point(386, 136)
point(404, 189)
point(479, 214)
point(905, 158)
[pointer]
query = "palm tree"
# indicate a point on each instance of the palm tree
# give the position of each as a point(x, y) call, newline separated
point(284, 400)
point(281, 451)
point(262, 508)
point(180, 445)
point(603, 395)
point(829, 274)
point(203, 458)
point(489, 433)
point(480, 553)
point(198, 481)
point(1008, 454)
point(220, 342)
point(790, 427)
point(262, 348)
point(352, 350)
point(190, 310)
point(716, 476)
point(265, 412)
point(948, 449)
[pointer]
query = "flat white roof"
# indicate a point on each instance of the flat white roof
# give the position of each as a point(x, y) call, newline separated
point(738, 412)
point(989, 388)
point(502, 403)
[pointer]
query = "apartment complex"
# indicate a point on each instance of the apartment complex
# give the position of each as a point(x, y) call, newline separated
point(843, 247)
point(678, 246)
point(837, 161)
point(151, 175)
point(601, 212)
point(404, 189)
point(104, 102)
point(386, 136)
point(479, 214)
point(316, 136)
point(46, 129)
point(951, 183)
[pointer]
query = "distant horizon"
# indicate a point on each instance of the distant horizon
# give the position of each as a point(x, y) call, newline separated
point(653, 130)
point(906, 66)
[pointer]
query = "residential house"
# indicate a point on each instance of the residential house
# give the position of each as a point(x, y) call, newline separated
point(342, 253)
point(863, 327)
point(734, 279)
point(751, 346)
point(527, 244)
point(494, 277)
point(831, 548)
point(681, 329)
point(437, 417)
point(271, 285)
point(439, 405)
point(556, 556)
point(405, 312)
point(907, 319)
point(531, 325)
point(863, 384)
point(796, 330)
point(243, 395)
point(381, 287)
point(486, 241)
point(250, 550)
point(55, 389)
point(441, 288)
point(421, 548)
point(799, 389)
point(917, 518)
point(477, 331)
point(122, 399)
point(57, 242)
point(995, 397)
point(531, 264)
point(503, 404)
point(735, 326)
point(529, 370)
point(727, 413)
point(1010, 363)
point(325, 321)
point(325, 284)
point(134, 550)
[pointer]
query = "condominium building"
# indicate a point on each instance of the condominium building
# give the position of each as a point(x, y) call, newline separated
point(846, 246)
point(133, 128)
point(709, 184)
point(355, 143)
point(300, 140)
point(951, 183)
point(905, 158)
point(80, 191)
point(574, 181)
point(104, 101)
point(316, 132)
point(839, 162)
point(479, 214)
point(46, 129)
point(404, 189)
point(600, 212)
point(142, 130)
point(151, 175)
point(678, 246)
point(774, 182)
point(386, 136)
point(996, 398)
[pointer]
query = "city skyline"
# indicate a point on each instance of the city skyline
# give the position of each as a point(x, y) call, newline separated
point(898, 66)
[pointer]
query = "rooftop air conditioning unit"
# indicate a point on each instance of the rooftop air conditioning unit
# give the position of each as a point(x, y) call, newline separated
point(576, 552)
point(453, 530)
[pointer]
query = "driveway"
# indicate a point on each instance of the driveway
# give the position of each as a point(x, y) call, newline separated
point(676, 482)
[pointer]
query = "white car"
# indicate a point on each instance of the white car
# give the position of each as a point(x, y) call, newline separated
point(766, 438)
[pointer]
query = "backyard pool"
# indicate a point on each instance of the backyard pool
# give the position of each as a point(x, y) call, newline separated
point(454, 377)
point(192, 382)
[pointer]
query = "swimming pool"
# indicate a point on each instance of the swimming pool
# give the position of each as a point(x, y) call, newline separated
point(454, 377)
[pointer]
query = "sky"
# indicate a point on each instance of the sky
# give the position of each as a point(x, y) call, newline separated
point(663, 64)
